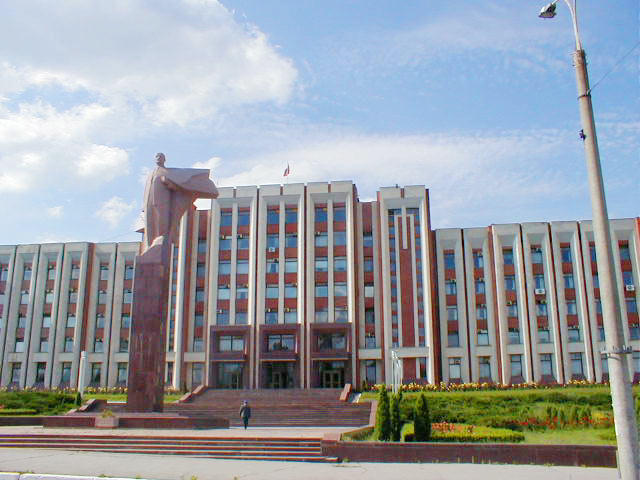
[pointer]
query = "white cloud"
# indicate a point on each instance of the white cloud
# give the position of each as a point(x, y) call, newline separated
point(114, 210)
point(55, 211)
point(210, 164)
point(99, 161)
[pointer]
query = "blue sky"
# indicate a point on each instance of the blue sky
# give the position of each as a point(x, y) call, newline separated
point(475, 100)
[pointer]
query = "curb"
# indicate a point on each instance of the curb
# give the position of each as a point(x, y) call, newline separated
point(44, 476)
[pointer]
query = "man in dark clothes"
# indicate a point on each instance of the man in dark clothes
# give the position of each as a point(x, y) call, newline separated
point(245, 413)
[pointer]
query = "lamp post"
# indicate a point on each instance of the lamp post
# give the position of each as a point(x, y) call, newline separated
point(617, 352)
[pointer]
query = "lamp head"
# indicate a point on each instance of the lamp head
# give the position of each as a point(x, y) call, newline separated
point(548, 11)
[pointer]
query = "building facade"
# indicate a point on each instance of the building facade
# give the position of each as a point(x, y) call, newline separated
point(305, 286)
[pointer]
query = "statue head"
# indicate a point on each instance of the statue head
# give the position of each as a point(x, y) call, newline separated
point(160, 159)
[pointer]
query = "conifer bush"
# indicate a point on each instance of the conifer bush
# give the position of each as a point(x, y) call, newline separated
point(396, 424)
point(383, 417)
point(422, 420)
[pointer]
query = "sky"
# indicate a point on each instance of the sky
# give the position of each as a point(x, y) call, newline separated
point(476, 100)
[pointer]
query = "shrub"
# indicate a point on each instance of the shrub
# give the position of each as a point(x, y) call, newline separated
point(16, 412)
point(449, 432)
point(394, 411)
point(383, 418)
point(422, 420)
point(78, 399)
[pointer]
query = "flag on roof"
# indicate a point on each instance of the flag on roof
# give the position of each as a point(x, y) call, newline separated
point(287, 171)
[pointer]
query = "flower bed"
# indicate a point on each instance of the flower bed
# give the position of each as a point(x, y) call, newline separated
point(455, 432)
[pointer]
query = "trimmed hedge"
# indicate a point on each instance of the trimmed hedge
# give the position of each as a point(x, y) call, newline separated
point(15, 412)
point(38, 402)
point(467, 433)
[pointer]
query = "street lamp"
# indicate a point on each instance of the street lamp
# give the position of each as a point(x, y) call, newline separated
point(621, 393)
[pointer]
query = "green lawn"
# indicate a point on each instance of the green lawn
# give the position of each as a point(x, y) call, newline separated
point(122, 397)
point(584, 436)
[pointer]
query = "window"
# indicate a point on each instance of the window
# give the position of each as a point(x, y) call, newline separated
point(272, 265)
point(341, 315)
point(242, 267)
point(514, 336)
point(450, 287)
point(48, 296)
point(455, 367)
point(478, 260)
point(198, 345)
point(102, 297)
point(592, 253)
point(24, 298)
point(271, 317)
point(224, 268)
point(225, 219)
point(367, 239)
point(290, 215)
point(565, 254)
point(571, 307)
point(370, 340)
point(452, 313)
point(370, 371)
point(273, 217)
point(576, 364)
point(16, 369)
point(321, 264)
point(480, 287)
point(46, 321)
point(636, 362)
point(242, 292)
point(98, 345)
point(291, 265)
point(290, 290)
point(339, 289)
point(201, 270)
point(99, 321)
point(225, 244)
point(340, 264)
point(339, 238)
point(598, 307)
point(510, 283)
point(541, 309)
point(568, 281)
point(369, 316)
point(71, 321)
point(634, 331)
point(601, 335)
point(44, 345)
point(243, 218)
point(272, 291)
point(516, 365)
point(122, 373)
point(128, 296)
point(453, 339)
point(546, 364)
point(627, 277)
point(536, 256)
point(273, 240)
point(539, 281)
point(507, 256)
point(512, 310)
point(22, 321)
point(125, 321)
point(321, 315)
point(26, 274)
point(482, 337)
point(331, 341)
point(322, 290)
point(224, 292)
point(104, 272)
point(544, 335)
point(68, 344)
point(339, 214)
point(369, 291)
point(4, 274)
point(231, 343)
point(596, 281)
point(75, 271)
point(241, 318)
point(222, 317)
point(290, 315)
point(243, 242)
point(481, 312)
point(41, 367)
point(18, 346)
point(632, 306)
point(124, 345)
point(66, 372)
point(281, 343)
point(128, 272)
point(624, 252)
point(321, 214)
point(485, 367)
point(449, 261)
point(321, 239)
point(605, 364)
point(291, 240)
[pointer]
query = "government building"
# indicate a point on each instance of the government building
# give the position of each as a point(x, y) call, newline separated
point(305, 286)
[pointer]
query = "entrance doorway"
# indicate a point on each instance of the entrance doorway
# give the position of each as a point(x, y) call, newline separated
point(230, 375)
point(279, 374)
point(332, 374)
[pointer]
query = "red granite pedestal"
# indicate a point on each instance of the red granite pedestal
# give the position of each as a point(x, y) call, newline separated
point(148, 330)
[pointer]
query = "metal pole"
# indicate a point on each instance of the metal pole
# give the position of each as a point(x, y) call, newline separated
point(621, 393)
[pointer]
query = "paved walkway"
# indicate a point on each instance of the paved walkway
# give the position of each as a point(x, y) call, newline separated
point(166, 467)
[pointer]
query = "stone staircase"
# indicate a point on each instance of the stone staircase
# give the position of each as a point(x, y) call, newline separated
point(277, 408)
point(280, 449)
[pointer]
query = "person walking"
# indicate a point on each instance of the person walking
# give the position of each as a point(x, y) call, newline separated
point(245, 413)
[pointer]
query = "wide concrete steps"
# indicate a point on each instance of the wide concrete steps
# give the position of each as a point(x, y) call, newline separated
point(281, 449)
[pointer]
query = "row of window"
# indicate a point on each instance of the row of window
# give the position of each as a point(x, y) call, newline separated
point(95, 376)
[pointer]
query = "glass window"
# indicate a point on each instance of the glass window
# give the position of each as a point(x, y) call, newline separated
point(339, 238)
point(449, 261)
point(241, 318)
point(273, 240)
point(26, 274)
point(339, 214)
point(273, 217)
point(242, 267)
point(321, 239)
point(478, 260)
point(225, 244)
point(453, 339)
point(576, 363)
point(544, 335)
point(71, 321)
point(568, 281)
point(369, 316)
point(122, 373)
point(242, 292)
point(243, 218)
point(452, 313)
point(369, 340)
point(104, 272)
point(271, 317)
point(291, 265)
point(341, 315)
point(455, 367)
point(322, 290)
point(507, 256)
point(128, 296)
point(243, 242)
point(480, 287)
point(290, 291)
point(536, 256)
point(224, 268)
point(291, 240)
point(224, 292)
point(272, 265)
point(627, 277)
point(124, 345)
point(281, 343)
point(321, 214)
point(601, 335)
point(98, 345)
point(68, 344)
point(367, 239)
point(321, 264)
point(481, 312)
point(636, 362)
point(291, 315)
point(24, 298)
point(574, 334)
point(624, 252)
point(485, 367)
point(541, 309)
point(634, 331)
point(290, 215)
point(632, 306)
point(102, 297)
point(225, 219)
point(510, 283)
point(512, 310)
point(331, 341)
point(340, 289)
point(66, 372)
point(596, 281)
point(565, 253)
point(99, 321)
point(222, 317)
point(231, 343)
point(340, 264)
point(516, 365)
point(200, 270)
point(450, 287)
point(514, 336)
point(22, 321)
point(539, 281)
point(483, 337)
point(571, 307)
point(16, 369)
point(321, 315)
point(4, 274)
point(369, 291)
point(75, 272)
point(272, 291)
point(546, 364)
point(368, 264)
point(598, 307)
point(46, 321)
point(592, 253)
point(19, 345)
point(40, 370)
point(198, 345)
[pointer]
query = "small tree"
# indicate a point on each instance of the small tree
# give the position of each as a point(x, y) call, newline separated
point(78, 399)
point(383, 417)
point(422, 420)
point(394, 411)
